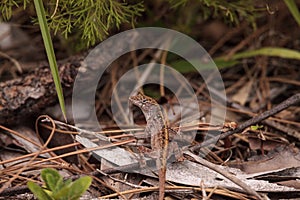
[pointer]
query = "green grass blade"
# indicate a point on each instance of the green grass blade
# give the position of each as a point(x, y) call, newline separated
point(292, 6)
point(223, 62)
point(265, 51)
point(50, 52)
point(183, 66)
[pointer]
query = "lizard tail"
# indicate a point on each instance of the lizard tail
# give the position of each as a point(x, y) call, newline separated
point(162, 179)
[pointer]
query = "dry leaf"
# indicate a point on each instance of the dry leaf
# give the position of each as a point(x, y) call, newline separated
point(242, 95)
point(283, 158)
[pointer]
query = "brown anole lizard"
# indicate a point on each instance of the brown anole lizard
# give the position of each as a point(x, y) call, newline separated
point(157, 129)
point(160, 141)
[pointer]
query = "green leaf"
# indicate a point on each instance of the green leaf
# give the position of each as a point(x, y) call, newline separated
point(63, 190)
point(292, 6)
point(79, 187)
point(52, 179)
point(38, 191)
point(62, 184)
point(73, 190)
point(67, 182)
point(59, 184)
point(256, 127)
point(50, 53)
point(63, 193)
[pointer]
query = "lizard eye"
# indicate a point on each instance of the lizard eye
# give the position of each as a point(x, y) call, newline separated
point(143, 101)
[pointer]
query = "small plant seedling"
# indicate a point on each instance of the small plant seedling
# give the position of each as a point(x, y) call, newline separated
point(57, 189)
point(256, 127)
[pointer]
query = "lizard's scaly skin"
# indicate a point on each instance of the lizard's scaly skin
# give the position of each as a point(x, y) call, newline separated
point(157, 129)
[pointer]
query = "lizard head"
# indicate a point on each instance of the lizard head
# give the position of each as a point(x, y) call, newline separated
point(142, 101)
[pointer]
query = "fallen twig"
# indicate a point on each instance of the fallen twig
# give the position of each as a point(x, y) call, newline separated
point(216, 168)
point(280, 107)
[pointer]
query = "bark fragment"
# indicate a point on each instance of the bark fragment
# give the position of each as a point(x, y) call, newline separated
point(30, 94)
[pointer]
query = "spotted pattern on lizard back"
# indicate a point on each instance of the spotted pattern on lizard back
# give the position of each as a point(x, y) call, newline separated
point(152, 112)
point(158, 130)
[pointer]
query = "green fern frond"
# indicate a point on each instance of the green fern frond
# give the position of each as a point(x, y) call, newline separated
point(231, 11)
